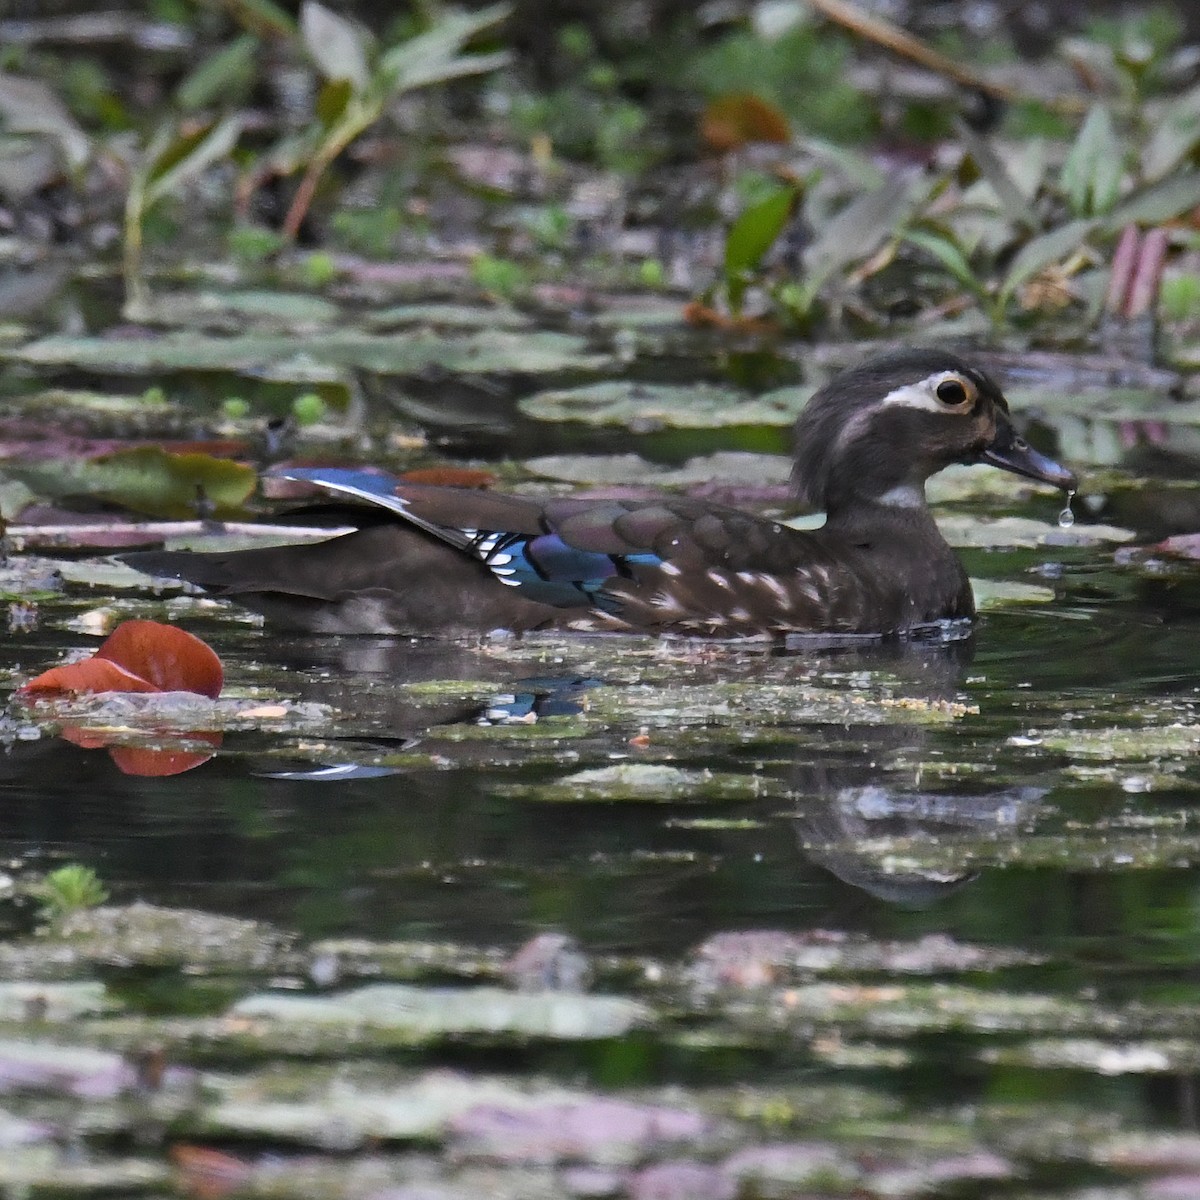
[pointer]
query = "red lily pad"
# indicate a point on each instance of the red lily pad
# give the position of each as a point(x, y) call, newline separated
point(90, 675)
point(139, 656)
point(459, 477)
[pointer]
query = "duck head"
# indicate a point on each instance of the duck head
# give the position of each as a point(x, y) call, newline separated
point(875, 433)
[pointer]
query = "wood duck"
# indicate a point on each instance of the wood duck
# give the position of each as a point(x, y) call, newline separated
point(435, 560)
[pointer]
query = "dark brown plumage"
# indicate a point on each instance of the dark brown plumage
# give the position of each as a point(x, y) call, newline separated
point(445, 560)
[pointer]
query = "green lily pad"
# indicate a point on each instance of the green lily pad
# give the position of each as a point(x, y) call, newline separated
point(448, 316)
point(57, 1002)
point(61, 401)
point(999, 593)
point(639, 311)
point(743, 705)
point(1124, 744)
point(978, 481)
point(726, 466)
point(990, 532)
point(14, 496)
point(150, 480)
point(151, 935)
point(646, 407)
point(60, 1171)
point(1101, 1057)
point(271, 309)
point(263, 1106)
point(433, 1012)
point(482, 351)
point(644, 783)
point(1112, 403)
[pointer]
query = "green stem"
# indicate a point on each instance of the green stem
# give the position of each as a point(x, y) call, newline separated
point(337, 141)
point(135, 285)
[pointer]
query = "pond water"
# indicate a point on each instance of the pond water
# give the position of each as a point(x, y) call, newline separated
point(890, 919)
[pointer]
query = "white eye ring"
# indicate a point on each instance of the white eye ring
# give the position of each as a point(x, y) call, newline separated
point(953, 392)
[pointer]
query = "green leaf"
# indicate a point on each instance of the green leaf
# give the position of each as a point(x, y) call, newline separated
point(429, 73)
point(947, 252)
point(262, 17)
point(996, 173)
point(227, 71)
point(155, 481)
point(428, 57)
point(150, 480)
point(336, 45)
point(752, 235)
point(857, 167)
point(1091, 174)
point(297, 356)
point(183, 159)
point(860, 228)
point(1169, 198)
point(1041, 252)
point(332, 101)
point(29, 106)
point(1174, 136)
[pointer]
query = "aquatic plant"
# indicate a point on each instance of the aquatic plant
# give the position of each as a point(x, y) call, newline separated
point(69, 889)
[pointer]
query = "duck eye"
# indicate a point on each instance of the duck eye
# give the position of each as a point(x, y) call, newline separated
point(952, 391)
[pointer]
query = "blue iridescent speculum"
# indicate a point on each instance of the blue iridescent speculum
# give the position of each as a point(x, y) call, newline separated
point(547, 569)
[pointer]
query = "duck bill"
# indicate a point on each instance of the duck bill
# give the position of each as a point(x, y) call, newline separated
point(1012, 453)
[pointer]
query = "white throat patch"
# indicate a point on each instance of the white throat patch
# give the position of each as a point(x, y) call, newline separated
point(903, 495)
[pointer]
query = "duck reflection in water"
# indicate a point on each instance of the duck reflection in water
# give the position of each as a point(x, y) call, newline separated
point(883, 808)
point(871, 806)
point(873, 812)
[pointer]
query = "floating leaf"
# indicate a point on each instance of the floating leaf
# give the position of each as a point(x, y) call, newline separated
point(90, 675)
point(157, 482)
point(737, 118)
point(645, 408)
point(962, 530)
point(241, 310)
point(480, 351)
point(14, 496)
point(336, 45)
point(210, 1173)
point(997, 593)
point(459, 477)
point(1091, 174)
point(170, 658)
point(139, 656)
